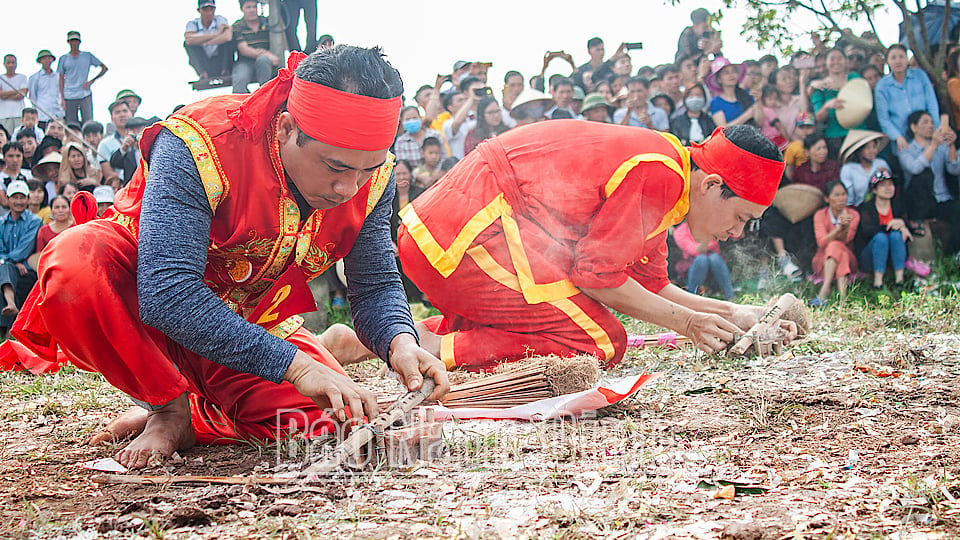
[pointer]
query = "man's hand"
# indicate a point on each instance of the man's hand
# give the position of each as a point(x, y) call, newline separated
point(329, 389)
point(274, 59)
point(412, 363)
point(21, 269)
point(128, 142)
point(86, 85)
point(710, 333)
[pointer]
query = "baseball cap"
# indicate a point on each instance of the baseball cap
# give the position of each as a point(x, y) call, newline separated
point(880, 175)
point(136, 122)
point(44, 52)
point(103, 194)
point(805, 119)
point(73, 34)
point(206, 3)
point(18, 186)
point(460, 64)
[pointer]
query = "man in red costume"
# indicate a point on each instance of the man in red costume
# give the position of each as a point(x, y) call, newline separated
point(186, 294)
point(525, 245)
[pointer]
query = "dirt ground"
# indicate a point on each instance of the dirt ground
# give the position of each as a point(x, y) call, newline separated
point(854, 432)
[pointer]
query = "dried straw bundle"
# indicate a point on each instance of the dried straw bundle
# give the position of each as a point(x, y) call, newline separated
point(525, 381)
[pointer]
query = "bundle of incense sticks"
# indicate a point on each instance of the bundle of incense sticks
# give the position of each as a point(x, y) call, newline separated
point(670, 340)
point(526, 381)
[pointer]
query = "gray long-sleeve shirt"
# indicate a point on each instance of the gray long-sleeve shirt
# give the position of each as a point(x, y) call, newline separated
point(174, 238)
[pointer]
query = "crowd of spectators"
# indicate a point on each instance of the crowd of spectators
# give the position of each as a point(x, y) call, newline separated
point(853, 119)
point(861, 122)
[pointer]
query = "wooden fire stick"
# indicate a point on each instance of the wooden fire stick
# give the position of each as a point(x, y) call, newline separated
point(766, 321)
point(362, 435)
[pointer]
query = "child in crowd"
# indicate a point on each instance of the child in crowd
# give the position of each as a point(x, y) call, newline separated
point(882, 234)
point(766, 117)
point(795, 155)
point(37, 200)
point(835, 228)
point(427, 173)
point(701, 260)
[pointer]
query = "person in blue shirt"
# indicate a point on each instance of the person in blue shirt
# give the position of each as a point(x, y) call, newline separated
point(18, 240)
point(900, 93)
point(74, 69)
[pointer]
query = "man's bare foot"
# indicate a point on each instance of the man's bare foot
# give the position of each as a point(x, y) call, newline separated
point(429, 341)
point(9, 310)
point(165, 431)
point(344, 345)
point(127, 425)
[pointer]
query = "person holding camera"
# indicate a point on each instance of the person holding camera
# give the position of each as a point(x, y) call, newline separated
point(465, 119)
point(127, 157)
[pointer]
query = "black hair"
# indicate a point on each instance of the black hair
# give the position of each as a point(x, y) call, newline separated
point(355, 70)
point(839, 50)
point(65, 199)
point(561, 114)
point(670, 102)
point(483, 130)
point(868, 67)
point(768, 90)
point(467, 81)
point(5, 132)
point(895, 46)
point(952, 61)
point(405, 163)
point(812, 139)
point(33, 185)
point(536, 82)
point(92, 126)
point(669, 68)
point(828, 188)
point(511, 73)
point(62, 187)
point(637, 80)
point(409, 108)
point(448, 162)
point(914, 117)
point(12, 145)
point(27, 134)
point(448, 99)
point(768, 58)
point(431, 141)
point(561, 81)
point(27, 110)
point(593, 42)
point(421, 89)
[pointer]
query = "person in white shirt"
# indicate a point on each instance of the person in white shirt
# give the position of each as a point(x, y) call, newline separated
point(43, 88)
point(12, 91)
point(208, 40)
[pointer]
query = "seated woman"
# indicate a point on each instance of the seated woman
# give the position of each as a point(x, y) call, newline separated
point(835, 228)
point(75, 169)
point(926, 161)
point(882, 234)
point(816, 171)
point(37, 200)
point(489, 123)
point(859, 154)
point(693, 125)
point(701, 260)
point(62, 219)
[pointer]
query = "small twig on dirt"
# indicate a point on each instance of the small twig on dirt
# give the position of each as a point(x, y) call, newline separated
point(162, 480)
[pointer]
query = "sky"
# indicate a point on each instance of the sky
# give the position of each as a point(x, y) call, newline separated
point(142, 42)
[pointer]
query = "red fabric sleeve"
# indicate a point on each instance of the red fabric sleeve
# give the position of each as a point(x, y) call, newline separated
point(652, 275)
point(617, 234)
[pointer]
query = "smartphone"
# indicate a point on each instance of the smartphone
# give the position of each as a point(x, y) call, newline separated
point(634, 46)
point(805, 62)
point(481, 92)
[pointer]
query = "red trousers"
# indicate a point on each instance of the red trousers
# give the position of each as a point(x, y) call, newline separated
point(85, 302)
point(486, 319)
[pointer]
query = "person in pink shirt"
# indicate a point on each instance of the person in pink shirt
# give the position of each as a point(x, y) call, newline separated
point(701, 260)
point(835, 228)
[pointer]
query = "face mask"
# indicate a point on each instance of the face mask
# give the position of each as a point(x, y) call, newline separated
point(695, 103)
point(412, 126)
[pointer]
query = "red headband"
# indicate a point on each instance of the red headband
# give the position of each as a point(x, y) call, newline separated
point(343, 119)
point(337, 118)
point(750, 176)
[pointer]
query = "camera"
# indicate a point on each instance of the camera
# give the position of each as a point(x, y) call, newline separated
point(481, 92)
point(634, 46)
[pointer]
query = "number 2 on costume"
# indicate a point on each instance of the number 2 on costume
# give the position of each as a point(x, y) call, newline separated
point(270, 314)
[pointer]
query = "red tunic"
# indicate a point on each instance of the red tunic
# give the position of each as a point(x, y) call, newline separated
point(502, 244)
point(259, 261)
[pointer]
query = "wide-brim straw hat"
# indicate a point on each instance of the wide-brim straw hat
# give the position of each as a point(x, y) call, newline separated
point(52, 157)
point(798, 201)
point(531, 96)
point(857, 103)
point(857, 138)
